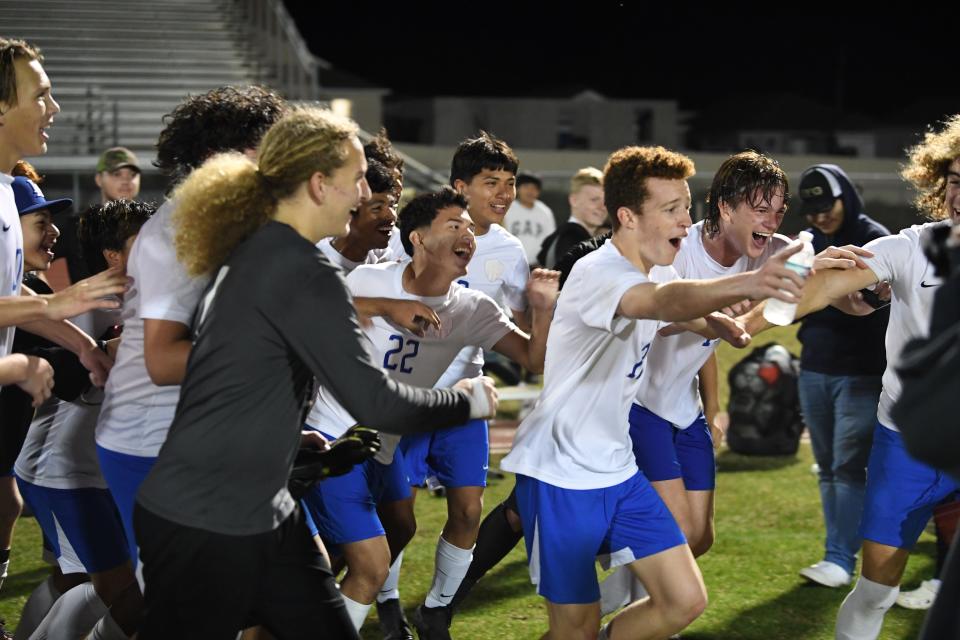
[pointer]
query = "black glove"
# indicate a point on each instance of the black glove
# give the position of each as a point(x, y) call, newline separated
point(357, 445)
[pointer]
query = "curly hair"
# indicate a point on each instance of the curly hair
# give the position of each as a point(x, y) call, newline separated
point(108, 227)
point(749, 177)
point(379, 177)
point(624, 176)
point(223, 119)
point(229, 197)
point(927, 166)
point(12, 50)
point(380, 148)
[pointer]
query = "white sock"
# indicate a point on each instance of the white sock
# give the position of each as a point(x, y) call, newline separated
point(451, 565)
point(389, 590)
point(107, 629)
point(615, 590)
point(861, 614)
point(356, 611)
point(72, 615)
point(37, 606)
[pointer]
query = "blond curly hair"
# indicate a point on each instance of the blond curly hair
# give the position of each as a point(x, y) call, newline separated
point(229, 197)
point(927, 165)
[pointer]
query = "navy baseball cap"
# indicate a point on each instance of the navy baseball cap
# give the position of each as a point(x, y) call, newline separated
point(30, 199)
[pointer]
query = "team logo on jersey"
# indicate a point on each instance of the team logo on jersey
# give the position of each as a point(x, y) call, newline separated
point(493, 269)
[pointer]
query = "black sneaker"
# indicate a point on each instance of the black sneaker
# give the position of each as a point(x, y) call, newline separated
point(393, 624)
point(432, 623)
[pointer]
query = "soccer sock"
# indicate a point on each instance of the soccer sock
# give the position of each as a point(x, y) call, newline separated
point(73, 615)
point(356, 611)
point(861, 614)
point(389, 590)
point(615, 590)
point(451, 565)
point(494, 541)
point(37, 606)
point(4, 564)
point(107, 629)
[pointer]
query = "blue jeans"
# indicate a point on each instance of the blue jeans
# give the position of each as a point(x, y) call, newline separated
point(840, 413)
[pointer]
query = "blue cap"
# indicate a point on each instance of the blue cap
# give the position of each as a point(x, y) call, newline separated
point(29, 198)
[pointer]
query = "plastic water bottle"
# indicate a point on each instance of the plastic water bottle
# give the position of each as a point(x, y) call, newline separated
point(782, 313)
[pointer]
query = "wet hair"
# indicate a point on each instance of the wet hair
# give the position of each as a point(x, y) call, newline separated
point(379, 148)
point(27, 170)
point(229, 197)
point(486, 151)
point(223, 119)
point(12, 50)
point(749, 177)
point(423, 209)
point(624, 176)
point(380, 177)
point(108, 227)
point(927, 165)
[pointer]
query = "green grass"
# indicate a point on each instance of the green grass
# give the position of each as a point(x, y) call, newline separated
point(768, 527)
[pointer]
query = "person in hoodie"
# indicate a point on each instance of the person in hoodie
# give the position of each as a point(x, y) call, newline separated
point(841, 363)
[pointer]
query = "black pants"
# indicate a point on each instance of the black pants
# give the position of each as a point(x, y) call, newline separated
point(209, 585)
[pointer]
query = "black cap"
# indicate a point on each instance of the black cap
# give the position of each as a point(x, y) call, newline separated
point(818, 191)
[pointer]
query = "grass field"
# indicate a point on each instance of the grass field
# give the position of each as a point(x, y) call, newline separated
point(768, 527)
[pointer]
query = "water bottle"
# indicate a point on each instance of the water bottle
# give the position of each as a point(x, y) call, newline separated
point(782, 313)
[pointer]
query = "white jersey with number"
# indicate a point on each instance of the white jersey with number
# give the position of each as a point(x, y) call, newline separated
point(899, 260)
point(347, 265)
point(499, 269)
point(467, 317)
point(11, 246)
point(577, 436)
point(136, 414)
point(670, 382)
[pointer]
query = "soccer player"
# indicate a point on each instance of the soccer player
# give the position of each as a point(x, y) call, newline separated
point(218, 492)
point(484, 170)
point(438, 234)
point(57, 470)
point(901, 492)
point(579, 491)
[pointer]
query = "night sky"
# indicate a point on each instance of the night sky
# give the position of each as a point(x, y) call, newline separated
point(879, 67)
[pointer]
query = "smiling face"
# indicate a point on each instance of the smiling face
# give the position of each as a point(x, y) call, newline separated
point(374, 221)
point(448, 243)
point(39, 236)
point(489, 193)
point(586, 205)
point(951, 199)
point(344, 190)
point(663, 222)
point(828, 222)
point(23, 125)
point(748, 227)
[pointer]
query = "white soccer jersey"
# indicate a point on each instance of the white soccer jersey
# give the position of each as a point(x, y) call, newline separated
point(499, 269)
point(577, 436)
point(136, 413)
point(899, 259)
point(11, 246)
point(59, 451)
point(670, 382)
point(346, 265)
point(467, 317)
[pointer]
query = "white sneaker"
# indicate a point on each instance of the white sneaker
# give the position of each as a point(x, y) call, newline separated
point(828, 574)
point(920, 598)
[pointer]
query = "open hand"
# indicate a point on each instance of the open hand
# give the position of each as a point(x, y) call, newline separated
point(543, 289)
